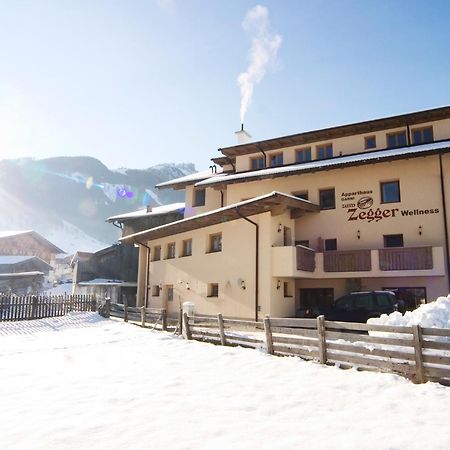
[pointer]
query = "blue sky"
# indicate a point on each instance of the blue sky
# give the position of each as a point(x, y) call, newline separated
point(138, 83)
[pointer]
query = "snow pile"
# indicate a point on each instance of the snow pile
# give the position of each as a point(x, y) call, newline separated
point(430, 315)
point(83, 382)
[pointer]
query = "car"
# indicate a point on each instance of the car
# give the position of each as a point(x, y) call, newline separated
point(359, 306)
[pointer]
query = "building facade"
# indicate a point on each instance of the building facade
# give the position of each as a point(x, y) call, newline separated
point(297, 221)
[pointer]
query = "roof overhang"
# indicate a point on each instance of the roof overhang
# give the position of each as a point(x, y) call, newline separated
point(275, 203)
point(337, 162)
point(324, 134)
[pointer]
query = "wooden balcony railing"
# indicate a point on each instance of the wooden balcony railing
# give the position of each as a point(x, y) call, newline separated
point(347, 261)
point(406, 258)
point(306, 259)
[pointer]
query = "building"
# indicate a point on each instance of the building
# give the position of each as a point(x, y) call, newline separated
point(299, 220)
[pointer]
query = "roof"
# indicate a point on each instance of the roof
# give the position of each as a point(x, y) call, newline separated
point(12, 259)
point(155, 211)
point(257, 205)
point(324, 134)
point(21, 274)
point(331, 163)
point(182, 182)
point(37, 236)
point(107, 282)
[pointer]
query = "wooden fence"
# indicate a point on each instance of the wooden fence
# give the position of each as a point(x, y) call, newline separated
point(418, 353)
point(28, 307)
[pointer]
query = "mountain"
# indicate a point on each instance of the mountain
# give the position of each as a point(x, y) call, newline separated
point(68, 199)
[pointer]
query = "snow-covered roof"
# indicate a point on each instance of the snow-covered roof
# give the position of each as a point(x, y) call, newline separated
point(182, 182)
point(13, 259)
point(8, 233)
point(155, 211)
point(107, 282)
point(21, 274)
point(246, 208)
point(326, 164)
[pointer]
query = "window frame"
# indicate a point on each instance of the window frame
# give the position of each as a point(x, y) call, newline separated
point(171, 249)
point(421, 130)
point(322, 191)
point(366, 140)
point(199, 201)
point(185, 247)
point(324, 148)
point(330, 242)
point(388, 236)
point(156, 290)
point(382, 196)
point(302, 151)
point(276, 156)
point(169, 288)
point(211, 243)
point(396, 134)
point(254, 161)
point(156, 254)
point(213, 290)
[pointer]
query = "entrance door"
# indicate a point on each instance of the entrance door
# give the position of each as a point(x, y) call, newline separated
point(313, 297)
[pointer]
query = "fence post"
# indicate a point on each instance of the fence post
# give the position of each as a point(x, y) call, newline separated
point(125, 309)
point(322, 339)
point(34, 306)
point(107, 307)
point(164, 319)
point(269, 338)
point(180, 319)
point(93, 303)
point(417, 335)
point(143, 316)
point(186, 330)
point(223, 339)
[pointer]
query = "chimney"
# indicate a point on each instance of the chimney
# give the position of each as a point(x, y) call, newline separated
point(242, 136)
point(149, 208)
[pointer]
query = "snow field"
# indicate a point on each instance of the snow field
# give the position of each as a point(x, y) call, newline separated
point(81, 381)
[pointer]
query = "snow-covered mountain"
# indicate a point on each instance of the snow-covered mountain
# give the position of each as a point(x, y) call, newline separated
point(67, 199)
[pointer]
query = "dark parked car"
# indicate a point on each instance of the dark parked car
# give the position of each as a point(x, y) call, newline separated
point(359, 306)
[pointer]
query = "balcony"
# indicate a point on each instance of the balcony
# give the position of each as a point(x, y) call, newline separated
point(303, 262)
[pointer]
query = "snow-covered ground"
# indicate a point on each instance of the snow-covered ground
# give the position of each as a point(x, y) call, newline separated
point(84, 382)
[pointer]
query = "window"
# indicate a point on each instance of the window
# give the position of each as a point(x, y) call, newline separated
point(156, 253)
point(383, 299)
point(324, 151)
point(390, 192)
point(156, 290)
point(303, 195)
point(187, 247)
point(393, 240)
point(199, 197)
point(257, 163)
point(344, 303)
point(422, 135)
point(397, 139)
point(327, 199)
point(303, 155)
point(170, 250)
point(215, 242)
point(370, 142)
point(213, 289)
point(169, 293)
point(330, 245)
point(286, 289)
point(276, 160)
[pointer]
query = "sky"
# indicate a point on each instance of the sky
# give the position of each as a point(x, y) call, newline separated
point(143, 82)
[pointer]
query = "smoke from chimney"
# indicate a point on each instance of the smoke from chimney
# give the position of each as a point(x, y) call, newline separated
point(263, 51)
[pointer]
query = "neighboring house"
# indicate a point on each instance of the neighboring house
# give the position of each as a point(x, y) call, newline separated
point(110, 272)
point(299, 220)
point(62, 270)
point(28, 243)
point(22, 274)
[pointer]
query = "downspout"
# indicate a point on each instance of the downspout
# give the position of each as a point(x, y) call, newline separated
point(265, 157)
point(256, 261)
point(147, 267)
point(445, 218)
point(221, 198)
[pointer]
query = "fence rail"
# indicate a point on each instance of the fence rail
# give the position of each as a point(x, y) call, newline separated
point(28, 307)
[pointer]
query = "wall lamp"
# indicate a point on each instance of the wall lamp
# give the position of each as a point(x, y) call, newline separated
point(278, 284)
point(188, 286)
point(280, 227)
point(358, 234)
point(420, 230)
